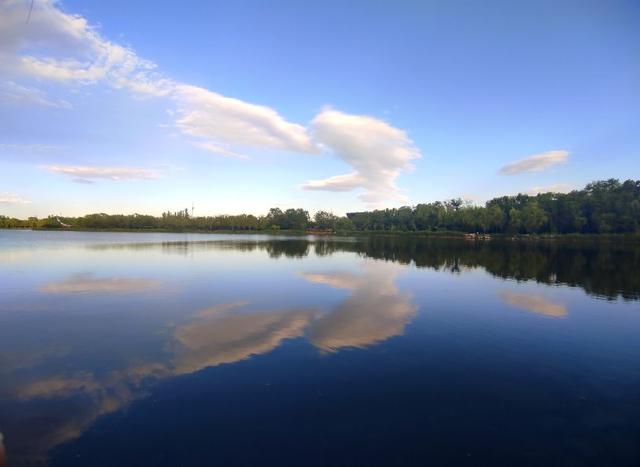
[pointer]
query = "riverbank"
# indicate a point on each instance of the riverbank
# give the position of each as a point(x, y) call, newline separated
point(626, 237)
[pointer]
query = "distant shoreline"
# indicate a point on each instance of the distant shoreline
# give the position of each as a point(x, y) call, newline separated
point(605, 207)
point(374, 233)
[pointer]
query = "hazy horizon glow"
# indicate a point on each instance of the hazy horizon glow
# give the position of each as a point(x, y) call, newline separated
point(119, 108)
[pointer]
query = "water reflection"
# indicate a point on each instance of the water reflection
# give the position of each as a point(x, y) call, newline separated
point(374, 311)
point(72, 395)
point(2, 454)
point(66, 402)
point(225, 334)
point(280, 247)
point(47, 412)
point(86, 283)
point(607, 269)
point(57, 377)
point(535, 303)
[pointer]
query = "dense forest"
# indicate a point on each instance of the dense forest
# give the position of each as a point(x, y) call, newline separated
point(607, 206)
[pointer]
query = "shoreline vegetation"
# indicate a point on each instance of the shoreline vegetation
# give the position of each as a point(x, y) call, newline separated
point(424, 234)
point(607, 208)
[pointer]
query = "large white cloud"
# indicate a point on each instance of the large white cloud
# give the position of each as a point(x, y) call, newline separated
point(49, 44)
point(535, 163)
point(61, 47)
point(377, 151)
point(206, 114)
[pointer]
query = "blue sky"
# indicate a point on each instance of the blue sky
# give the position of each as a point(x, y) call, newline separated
point(126, 106)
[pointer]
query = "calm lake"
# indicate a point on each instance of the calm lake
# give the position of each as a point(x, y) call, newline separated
point(158, 349)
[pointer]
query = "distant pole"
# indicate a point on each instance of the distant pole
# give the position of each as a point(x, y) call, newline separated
point(192, 208)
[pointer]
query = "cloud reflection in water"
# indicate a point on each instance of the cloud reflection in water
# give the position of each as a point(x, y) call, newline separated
point(70, 391)
point(374, 311)
point(86, 283)
point(534, 303)
point(225, 335)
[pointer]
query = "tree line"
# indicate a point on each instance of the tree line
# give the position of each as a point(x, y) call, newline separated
point(606, 206)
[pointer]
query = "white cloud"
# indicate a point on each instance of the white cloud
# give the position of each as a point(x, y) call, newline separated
point(535, 163)
point(217, 149)
point(14, 94)
point(57, 46)
point(555, 188)
point(65, 48)
point(61, 47)
point(82, 181)
point(346, 182)
point(219, 119)
point(12, 198)
point(83, 174)
point(376, 151)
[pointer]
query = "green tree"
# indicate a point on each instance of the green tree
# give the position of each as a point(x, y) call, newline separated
point(533, 218)
point(325, 220)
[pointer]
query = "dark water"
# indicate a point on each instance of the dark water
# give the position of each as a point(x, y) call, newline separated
point(170, 349)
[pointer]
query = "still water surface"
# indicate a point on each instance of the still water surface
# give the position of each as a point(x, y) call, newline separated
point(175, 349)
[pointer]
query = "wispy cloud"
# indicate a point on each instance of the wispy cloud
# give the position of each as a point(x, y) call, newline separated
point(82, 181)
point(535, 163)
point(346, 182)
point(83, 174)
point(555, 188)
point(14, 94)
point(12, 198)
point(377, 151)
point(217, 149)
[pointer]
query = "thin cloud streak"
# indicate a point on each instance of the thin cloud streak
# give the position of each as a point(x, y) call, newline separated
point(555, 188)
point(12, 198)
point(214, 148)
point(14, 94)
point(82, 174)
point(22, 149)
point(82, 181)
point(535, 163)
